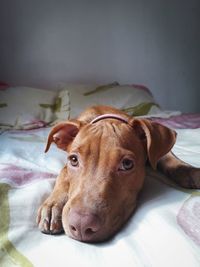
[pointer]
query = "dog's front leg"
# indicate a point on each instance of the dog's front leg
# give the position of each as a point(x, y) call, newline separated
point(180, 172)
point(49, 217)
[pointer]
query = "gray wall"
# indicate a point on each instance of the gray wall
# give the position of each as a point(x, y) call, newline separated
point(151, 42)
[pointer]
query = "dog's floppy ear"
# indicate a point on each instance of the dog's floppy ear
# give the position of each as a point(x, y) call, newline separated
point(62, 134)
point(159, 138)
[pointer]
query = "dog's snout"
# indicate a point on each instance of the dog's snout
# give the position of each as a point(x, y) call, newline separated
point(82, 226)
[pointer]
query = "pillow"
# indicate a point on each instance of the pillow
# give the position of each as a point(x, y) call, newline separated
point(136, 100)
point(28, 108)
point(3, 85)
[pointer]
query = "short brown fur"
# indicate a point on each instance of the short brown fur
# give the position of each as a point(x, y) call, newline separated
point(91, 201)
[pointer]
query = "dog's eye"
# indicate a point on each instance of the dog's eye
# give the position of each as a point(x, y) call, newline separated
point(126, 164)
point(73, 159)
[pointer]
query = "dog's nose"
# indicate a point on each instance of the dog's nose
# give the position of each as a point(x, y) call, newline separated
point(83, 227)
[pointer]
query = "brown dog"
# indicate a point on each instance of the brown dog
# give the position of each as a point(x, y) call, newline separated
point(97, 190)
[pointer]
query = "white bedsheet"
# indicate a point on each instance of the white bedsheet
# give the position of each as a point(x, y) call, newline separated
point(163, 231)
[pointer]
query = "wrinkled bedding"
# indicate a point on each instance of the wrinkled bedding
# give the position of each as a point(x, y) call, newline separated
point(183, 121)
point(163, 231)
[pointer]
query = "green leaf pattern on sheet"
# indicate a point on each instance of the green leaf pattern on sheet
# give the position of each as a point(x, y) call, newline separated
point(9, 255)
point(101, 88)
point(3, 105)
point(141, 109)
point(56, 107)
point(5, 125)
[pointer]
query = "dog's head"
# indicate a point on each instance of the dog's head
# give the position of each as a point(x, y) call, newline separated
point(105, 171)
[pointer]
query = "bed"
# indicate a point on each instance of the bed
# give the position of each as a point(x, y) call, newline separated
point(163, 231)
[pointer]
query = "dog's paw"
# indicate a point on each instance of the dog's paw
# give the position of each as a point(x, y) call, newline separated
point(194, 178)
point(49, 217)
point(188, 177)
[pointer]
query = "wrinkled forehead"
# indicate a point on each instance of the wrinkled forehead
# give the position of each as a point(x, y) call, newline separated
point(106, 134)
